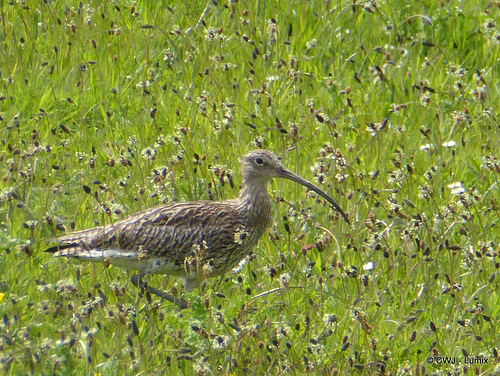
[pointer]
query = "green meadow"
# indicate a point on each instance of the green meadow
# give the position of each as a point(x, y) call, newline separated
point(391, 107)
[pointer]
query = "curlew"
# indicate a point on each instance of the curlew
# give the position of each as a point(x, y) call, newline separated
point(189, 240)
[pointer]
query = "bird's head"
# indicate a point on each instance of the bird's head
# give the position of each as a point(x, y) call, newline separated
point(258, 167)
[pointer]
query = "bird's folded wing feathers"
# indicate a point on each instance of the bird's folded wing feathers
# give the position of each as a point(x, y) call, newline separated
point(159, 229)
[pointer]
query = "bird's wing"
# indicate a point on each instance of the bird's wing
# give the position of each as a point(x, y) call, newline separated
point(172, 231)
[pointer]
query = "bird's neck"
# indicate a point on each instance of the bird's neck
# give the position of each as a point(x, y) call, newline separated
point(255, 199)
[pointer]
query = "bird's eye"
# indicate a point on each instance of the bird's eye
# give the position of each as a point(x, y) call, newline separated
point(259, 161)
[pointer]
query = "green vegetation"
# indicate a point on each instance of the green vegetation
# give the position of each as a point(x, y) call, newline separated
point(390, 106)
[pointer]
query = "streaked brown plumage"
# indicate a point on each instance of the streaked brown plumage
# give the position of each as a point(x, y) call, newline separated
point(190, 240)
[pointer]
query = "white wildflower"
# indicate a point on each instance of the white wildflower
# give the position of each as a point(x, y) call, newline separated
point(449, 144)
point(456, 188)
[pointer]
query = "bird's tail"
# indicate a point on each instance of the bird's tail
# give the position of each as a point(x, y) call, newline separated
point(77, 237)
point(60, 247)
point(77, 245)
point(79, 251)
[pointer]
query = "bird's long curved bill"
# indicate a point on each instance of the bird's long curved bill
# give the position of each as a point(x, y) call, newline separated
point(286, 174)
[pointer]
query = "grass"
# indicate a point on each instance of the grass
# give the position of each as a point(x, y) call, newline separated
point(392, 107)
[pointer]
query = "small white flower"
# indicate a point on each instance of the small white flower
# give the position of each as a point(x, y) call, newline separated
point(341, 177)
point(424, 192)
point(329, 319)
point(143, 84)
point(80, 155)
point(311, 44)
point(369, 266)
point(240, 266)
point(132, 140)
point(426, 147)
point(160, 140)
point(449, 144)
point(220, 342)
point(459, 116)
point(284, 280)
point(149, 153)
point(212, 34)
point(456, 188)
point(425, 99)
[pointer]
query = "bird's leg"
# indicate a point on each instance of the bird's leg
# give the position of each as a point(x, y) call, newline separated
point(137, 281)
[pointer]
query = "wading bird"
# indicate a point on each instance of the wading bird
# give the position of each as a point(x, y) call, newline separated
point(190, 240)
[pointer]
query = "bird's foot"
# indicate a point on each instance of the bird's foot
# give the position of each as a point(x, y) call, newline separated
point(137, 281)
